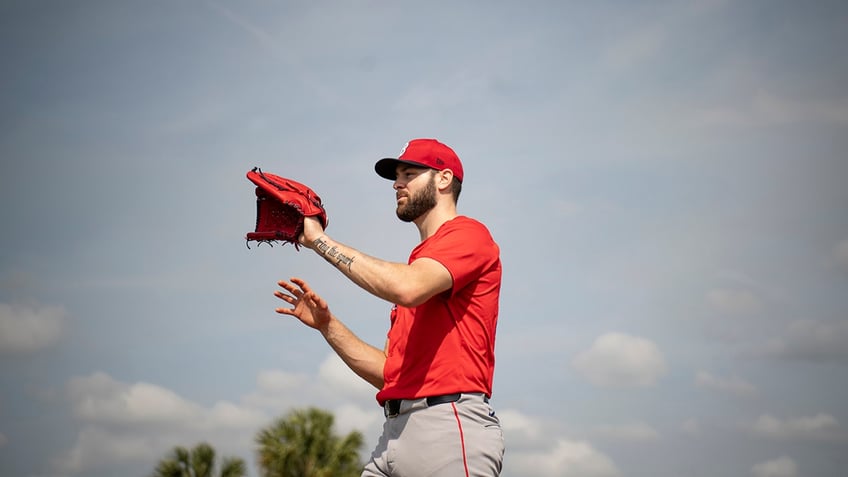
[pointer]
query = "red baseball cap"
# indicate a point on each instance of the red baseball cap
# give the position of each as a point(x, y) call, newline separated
point(421, 152)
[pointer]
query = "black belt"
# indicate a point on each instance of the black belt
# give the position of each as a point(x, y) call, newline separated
point(391, 407)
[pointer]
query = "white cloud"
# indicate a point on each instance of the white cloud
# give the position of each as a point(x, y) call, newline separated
point(620, 360)
point(135, 423)
point(350, 417)
point(567, 459)
point(100, 398)
point(26, 329)
point(633, 432)
point(277, 390)
point(96, 447)
point(336, 387)
point(732, 385)
point(820, 426)
point(734, 302)
point(519, 426)
point(227, 415)
point(336, 373)
point(138, 422)
point(280, 381)
point(780, 467)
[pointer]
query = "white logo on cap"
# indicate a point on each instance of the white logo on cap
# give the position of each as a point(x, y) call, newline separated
point(403, 149)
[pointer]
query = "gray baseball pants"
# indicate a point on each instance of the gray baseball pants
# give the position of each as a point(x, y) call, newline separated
point(454, 439)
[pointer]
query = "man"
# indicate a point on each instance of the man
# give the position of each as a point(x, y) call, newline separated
point(435, 373)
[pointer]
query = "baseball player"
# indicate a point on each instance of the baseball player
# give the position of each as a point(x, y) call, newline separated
point(434, 374)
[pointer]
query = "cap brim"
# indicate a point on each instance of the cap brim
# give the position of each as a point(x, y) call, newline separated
point(387, 167)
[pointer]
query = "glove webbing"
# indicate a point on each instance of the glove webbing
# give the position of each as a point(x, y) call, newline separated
point(259, 206)
point(289, 187)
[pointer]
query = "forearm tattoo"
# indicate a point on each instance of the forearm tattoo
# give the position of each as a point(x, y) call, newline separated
point(332, 254)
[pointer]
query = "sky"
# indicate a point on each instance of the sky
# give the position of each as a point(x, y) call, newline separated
point(666, 181)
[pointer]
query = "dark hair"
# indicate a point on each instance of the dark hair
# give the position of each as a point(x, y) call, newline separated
point(456, 185)
point(456, 188)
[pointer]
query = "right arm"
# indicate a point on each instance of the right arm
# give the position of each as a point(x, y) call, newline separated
point(365, 360)
point(404, 284)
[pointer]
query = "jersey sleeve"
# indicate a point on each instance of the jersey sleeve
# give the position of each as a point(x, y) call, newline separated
point(465, 248)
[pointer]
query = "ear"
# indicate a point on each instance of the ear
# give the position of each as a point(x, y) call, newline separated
point(444, 178)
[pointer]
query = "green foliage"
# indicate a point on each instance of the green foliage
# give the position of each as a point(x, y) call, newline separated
point(302, 444)
point(198, 462)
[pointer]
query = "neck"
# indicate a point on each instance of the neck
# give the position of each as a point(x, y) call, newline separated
point(430, 222)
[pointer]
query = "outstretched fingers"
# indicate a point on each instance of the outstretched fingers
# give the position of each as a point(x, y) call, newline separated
point(304, 304)
point(290, 287)
point(292, 297)
point(302, 284)
point(317, 302)
point(288, 299)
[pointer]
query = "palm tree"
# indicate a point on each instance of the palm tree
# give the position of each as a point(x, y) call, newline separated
point(198, 462)
point(302, 444)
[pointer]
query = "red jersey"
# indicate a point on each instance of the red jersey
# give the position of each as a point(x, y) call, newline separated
point(447, 344)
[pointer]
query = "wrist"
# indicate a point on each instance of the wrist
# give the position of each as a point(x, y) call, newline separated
point(332, 252)
point(319, 243)
point(324, 328)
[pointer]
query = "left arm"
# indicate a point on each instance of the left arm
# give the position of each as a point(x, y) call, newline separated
point(365, 360)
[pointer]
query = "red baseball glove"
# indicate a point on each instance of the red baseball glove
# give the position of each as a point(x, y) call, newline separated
point(281, 205)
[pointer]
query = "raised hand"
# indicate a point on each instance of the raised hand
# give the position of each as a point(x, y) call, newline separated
point(307, 306)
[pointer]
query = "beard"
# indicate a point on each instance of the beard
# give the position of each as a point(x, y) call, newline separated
point(418, 204)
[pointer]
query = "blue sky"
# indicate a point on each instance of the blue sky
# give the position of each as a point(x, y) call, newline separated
point(666, 180)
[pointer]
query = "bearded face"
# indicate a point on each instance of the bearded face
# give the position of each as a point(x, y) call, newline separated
point(418, 203)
